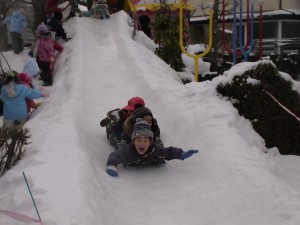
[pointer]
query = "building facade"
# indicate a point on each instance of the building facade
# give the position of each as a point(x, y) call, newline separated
point(280, 24)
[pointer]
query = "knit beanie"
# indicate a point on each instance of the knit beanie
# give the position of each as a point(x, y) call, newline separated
point(141, 127)
point(140, 113)
point(42, 28)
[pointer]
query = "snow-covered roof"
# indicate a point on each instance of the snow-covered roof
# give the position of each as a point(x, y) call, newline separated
point(267, 14)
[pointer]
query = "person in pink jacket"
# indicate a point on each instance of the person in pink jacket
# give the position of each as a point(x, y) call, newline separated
point(45, 54)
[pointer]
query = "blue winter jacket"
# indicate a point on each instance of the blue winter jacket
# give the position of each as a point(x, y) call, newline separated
point(13, 97)
point(17, 22)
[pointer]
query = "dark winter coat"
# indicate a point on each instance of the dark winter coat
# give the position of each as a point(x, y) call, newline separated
point(155, 152)
point(56, 26)
point(128, 129)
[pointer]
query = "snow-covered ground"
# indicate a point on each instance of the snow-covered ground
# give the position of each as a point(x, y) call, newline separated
point(230, 181)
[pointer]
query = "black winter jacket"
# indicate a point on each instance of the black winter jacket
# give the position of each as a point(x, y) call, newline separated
point(155, 152)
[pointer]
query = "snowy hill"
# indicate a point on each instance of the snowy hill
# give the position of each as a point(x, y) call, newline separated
point(230, 181)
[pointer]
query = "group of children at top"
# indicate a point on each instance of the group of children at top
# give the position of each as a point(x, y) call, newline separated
point(17, 95)
point(134, 133)
point(99, 9)
point(18, 91)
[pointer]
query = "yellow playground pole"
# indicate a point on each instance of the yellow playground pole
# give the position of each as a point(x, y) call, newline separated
point(196, 57)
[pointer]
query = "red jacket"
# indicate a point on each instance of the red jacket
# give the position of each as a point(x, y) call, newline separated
point(57, 46)
point(50, 7)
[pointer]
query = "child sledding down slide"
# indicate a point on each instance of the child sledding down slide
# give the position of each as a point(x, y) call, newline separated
point(142, 151)
point(99, 9)
point(145, 114)
point(115, 118)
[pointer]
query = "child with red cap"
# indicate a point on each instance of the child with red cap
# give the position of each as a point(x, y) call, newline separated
point(116, 117)
point(142, 151)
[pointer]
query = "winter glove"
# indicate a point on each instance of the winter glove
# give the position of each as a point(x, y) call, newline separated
point(112, 171)
point(45, 95)
point(189, 153)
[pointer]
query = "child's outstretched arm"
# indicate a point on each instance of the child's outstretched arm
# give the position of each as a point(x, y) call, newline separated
point(117, 157)
point(171, 153)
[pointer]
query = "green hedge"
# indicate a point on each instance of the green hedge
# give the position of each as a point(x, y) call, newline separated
point(272, 122)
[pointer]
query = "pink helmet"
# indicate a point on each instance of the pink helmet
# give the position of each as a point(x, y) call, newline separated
point(25, 77)
point(133, 102)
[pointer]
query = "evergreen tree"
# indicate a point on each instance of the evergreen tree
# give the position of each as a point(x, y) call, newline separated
point(166, 35)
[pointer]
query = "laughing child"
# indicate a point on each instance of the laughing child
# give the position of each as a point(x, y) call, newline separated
point(142, 151)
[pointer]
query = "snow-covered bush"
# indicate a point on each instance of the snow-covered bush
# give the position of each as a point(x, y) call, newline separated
point(255, 94)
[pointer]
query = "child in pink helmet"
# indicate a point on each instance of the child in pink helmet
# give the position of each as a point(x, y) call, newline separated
point(26, 80)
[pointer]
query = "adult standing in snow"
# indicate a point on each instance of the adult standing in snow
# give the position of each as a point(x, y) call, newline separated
point(142, 151)
point(13, 95)
point(17, 23)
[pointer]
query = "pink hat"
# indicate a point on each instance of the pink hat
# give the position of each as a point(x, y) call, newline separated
point(133, 102)
point(25, 77)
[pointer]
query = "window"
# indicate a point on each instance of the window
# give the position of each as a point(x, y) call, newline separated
point(270, 30)
point(290, 29)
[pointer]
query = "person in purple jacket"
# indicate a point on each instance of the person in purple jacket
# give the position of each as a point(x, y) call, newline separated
point(142, 151)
